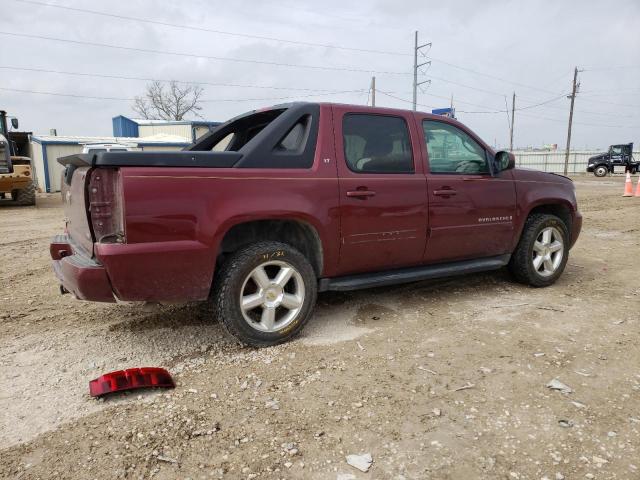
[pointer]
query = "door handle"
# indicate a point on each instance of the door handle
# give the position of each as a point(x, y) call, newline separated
point(360, 193)
point(475, 179)
point(445, 192)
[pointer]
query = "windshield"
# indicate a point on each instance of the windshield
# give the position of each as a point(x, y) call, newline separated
point(2, 132)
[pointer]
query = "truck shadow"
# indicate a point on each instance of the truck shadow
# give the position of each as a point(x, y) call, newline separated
point(158, 317)
point(338, 316)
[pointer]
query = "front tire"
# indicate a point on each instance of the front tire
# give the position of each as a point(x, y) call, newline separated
point(543, 251)
point(25, 196)
point(264, 293)
point(600, 171)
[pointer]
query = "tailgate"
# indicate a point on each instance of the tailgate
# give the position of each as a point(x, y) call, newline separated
point(74, 181)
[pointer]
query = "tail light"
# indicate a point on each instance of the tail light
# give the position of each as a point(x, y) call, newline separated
point(105, 205)
point(131, 379)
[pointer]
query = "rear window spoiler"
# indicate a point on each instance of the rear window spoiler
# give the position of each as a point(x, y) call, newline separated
point(153, 159)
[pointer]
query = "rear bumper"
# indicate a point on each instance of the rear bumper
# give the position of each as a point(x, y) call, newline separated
point(79, 274)
point(576, 227)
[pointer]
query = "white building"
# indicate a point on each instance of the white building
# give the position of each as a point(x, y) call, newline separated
point(46, 149)
point(136, 134)
point(189, 129)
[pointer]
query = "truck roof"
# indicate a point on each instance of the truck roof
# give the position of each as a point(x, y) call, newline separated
point(353, 105)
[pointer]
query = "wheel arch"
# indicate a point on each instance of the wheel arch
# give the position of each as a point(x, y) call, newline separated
point(300, 234)
point(560, 208)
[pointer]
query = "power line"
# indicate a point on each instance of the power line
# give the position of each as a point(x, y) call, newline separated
point(207, 57)
point(198, 82)
point(213, 100)
point(551, 119)
point(489, 110)
point(282, 40)
point(389, 94)
point(465, 86)
point(493, 77)
point(194, 82)
point(150, 79)
point(615, 67)
point(588, 99)
point(210, 30)
point(73, 95)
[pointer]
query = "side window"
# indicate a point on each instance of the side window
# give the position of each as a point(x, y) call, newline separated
point(451, 150)
point(222, 145)
point(295, 140)
point(377, 144)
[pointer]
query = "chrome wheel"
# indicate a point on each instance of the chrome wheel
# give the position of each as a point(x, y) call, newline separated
point(272, 296)
point(548, 250)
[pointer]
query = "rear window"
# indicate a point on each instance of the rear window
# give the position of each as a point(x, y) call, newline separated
point(236, 134)
point(276, 138)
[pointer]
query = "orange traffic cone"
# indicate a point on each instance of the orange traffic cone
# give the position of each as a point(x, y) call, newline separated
point(637, 194)
point(628, 188)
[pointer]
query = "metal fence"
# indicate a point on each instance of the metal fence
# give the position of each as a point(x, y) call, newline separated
point(554, 161)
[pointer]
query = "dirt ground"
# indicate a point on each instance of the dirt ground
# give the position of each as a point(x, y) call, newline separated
point(436, 380)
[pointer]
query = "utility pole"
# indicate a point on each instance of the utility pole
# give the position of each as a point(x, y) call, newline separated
point(373, 91)
point(573, 98)
point(513, 111)
point(416, 66)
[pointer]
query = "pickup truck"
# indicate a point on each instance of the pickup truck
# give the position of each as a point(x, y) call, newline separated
point(276, 205)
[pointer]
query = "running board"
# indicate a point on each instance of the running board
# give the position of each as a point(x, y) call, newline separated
point(414, 274)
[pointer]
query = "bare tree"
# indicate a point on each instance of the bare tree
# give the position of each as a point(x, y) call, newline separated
point(168, 101)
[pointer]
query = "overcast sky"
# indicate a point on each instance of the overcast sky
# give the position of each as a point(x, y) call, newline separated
point(482, 52)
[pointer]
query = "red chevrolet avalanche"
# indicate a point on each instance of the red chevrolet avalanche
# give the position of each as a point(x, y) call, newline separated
point(279, 204)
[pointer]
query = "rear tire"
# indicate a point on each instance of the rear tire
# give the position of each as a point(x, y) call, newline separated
point(600, 171)
point(264, 293)
point(543, 251)
point(25, 196)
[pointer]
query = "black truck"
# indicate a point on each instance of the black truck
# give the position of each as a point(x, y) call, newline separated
point(619, 158)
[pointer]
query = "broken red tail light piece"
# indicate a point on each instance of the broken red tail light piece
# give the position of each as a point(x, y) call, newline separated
point(130, 379)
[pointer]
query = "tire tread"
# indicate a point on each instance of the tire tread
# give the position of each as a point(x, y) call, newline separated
point(25, 196)
point(223, 283)
point(519, 265)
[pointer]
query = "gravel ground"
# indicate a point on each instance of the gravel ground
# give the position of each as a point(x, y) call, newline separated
point(442, 380)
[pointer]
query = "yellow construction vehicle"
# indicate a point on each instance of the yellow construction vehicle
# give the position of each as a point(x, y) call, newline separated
point(16, 174)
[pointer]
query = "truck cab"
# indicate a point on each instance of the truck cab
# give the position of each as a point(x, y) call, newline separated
point(618, 159)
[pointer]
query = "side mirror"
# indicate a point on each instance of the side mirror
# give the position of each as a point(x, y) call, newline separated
point(14, 123)
point(503, 160)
